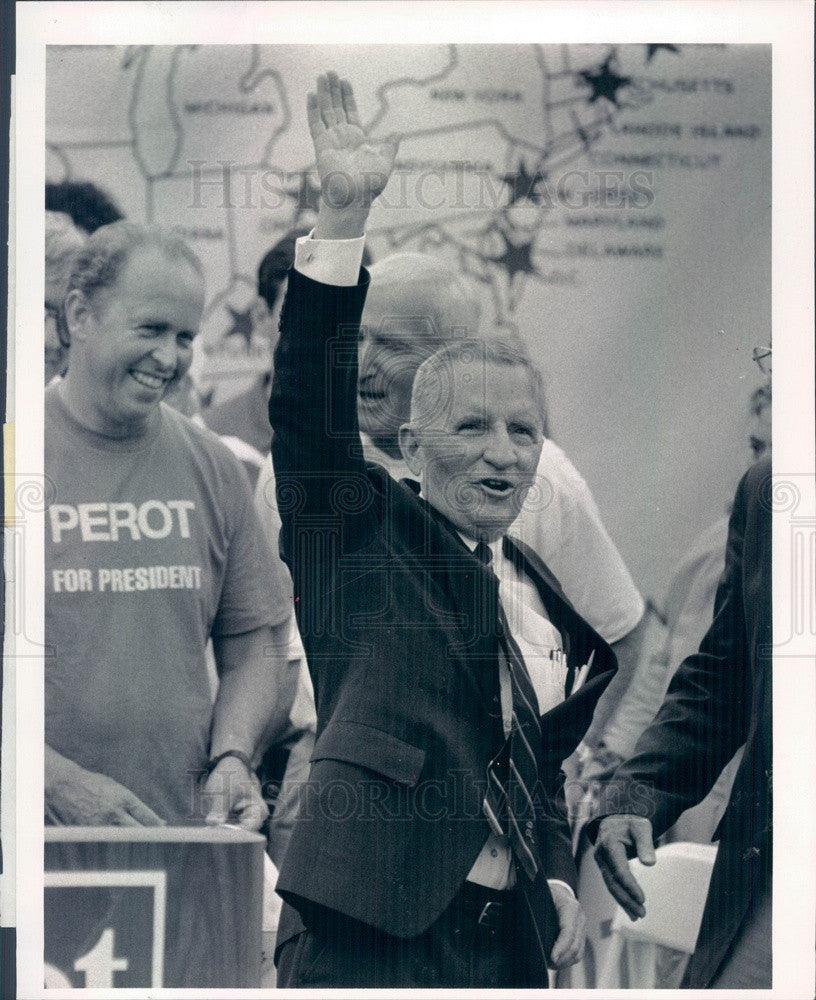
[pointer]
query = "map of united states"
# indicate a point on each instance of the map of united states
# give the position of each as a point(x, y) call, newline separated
point(513, 159)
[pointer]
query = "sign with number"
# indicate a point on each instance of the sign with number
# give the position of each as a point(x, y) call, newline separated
point(105, 928)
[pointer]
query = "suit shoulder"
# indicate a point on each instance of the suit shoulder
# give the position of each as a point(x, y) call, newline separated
point(758, 474)
point(756, 486)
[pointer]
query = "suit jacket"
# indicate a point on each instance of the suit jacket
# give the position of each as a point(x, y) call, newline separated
point(398, 621)
point(719, 698)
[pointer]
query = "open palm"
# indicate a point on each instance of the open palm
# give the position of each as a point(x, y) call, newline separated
point(353, 169)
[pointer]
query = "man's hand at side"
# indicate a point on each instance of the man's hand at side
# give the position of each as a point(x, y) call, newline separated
point(353, 168)
point(255, 694)
point(569, 945)
point(77, 797)
point(233, 795)
point(615, 835)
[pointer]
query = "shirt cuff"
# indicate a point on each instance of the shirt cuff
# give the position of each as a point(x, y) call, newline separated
point(331, 262)
point(557, 881)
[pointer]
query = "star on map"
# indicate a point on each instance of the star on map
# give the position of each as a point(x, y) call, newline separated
point(652, 50)
point(605, 83)
point(524, 185)
point(306, 196)
point(241, 323)
point(517, 257)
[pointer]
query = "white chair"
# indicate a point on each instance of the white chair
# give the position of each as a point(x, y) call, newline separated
point(652, 952)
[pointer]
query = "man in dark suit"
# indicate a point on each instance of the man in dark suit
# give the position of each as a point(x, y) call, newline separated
point(719, 698)
point(432, 847)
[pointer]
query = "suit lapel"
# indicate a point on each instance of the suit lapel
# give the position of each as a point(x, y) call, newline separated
point(473, 591)
point(466, 585)
point(579, 638)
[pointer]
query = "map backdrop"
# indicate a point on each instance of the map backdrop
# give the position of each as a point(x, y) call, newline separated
point(611, 202)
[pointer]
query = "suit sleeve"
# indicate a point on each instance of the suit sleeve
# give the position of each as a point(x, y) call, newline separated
point(706, 713)
point(558, 859)
point(316, 447)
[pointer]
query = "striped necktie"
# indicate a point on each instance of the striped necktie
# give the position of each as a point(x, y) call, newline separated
point(508, 803)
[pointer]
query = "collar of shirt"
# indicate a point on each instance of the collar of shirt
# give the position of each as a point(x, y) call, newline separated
point(514, 585)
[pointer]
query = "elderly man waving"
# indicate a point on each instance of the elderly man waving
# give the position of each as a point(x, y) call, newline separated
point(451, 674)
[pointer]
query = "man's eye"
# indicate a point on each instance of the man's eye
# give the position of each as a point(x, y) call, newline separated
point(519, 430)
point(470, 427)
point(186, 338)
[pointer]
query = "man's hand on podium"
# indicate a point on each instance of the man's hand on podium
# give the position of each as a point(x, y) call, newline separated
point(234, 796)
point(77, 797)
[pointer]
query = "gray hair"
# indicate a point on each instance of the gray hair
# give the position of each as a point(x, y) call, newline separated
point(106, 252)
point(424, 288)
point(63, 242)
point(433, 382)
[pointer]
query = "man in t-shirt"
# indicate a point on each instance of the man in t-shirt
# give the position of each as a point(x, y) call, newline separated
point(152, 548)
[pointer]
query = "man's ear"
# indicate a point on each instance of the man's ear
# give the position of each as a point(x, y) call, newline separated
point(77, 310)
point(409, 446)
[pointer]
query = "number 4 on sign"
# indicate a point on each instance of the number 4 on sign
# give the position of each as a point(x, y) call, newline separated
point(99, 964)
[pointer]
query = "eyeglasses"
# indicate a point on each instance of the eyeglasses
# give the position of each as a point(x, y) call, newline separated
point(762, 356)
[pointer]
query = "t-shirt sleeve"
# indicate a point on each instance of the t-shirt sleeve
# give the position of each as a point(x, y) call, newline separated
point(266, 504)
point(257, 588)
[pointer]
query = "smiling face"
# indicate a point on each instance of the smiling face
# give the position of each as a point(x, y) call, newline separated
point(391, 348)
point(134, 339)
point(477, 454)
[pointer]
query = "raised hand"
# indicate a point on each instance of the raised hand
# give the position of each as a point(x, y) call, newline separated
point(353, 168)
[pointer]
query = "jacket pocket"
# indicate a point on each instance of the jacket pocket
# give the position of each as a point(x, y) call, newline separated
point(357, 743)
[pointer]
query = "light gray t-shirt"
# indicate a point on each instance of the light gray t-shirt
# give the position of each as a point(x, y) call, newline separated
point(152, 545)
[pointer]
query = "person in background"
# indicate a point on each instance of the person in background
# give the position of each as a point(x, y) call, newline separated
point(152, 547)
point(73, 210)
point(63, 242)
point(88, 206)
point(759, 437)
point(688, 610)
point(243, 420)
point(685, 617)
point(718, 699)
